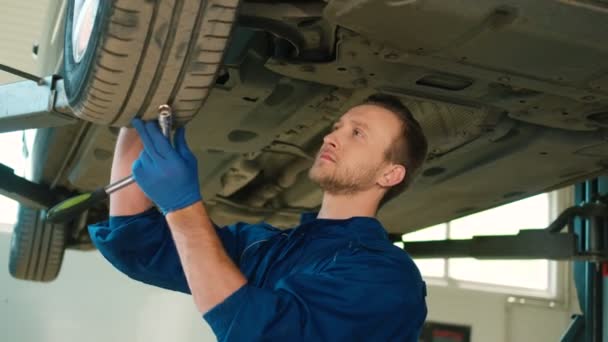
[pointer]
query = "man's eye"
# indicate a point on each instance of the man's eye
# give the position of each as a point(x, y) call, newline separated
point(357, 132)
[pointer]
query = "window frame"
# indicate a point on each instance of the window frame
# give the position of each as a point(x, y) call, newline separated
point(558, 273)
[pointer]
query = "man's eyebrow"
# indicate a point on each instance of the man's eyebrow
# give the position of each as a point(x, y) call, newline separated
point(360, 124)
point(354, 122)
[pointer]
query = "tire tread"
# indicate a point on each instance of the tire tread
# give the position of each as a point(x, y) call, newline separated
point(37, 248)
point(130, 62)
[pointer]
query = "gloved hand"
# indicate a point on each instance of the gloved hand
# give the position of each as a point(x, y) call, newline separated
point(167, 175)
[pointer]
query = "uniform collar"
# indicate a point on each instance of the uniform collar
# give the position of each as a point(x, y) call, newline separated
point(363, 226)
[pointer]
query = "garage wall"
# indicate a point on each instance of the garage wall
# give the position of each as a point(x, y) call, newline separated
point(494, 319)
point(91, 301)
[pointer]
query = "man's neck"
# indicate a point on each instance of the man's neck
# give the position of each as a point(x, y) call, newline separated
point(347, 206)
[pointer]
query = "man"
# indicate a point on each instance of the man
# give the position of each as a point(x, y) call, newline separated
point(335, 277)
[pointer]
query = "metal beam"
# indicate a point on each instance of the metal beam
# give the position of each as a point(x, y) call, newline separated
point(30, 194)
point(528, 244)
point(22, 73)
point(27, 104)
point(547, 243)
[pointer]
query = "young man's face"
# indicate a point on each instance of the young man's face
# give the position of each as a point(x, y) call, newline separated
point(352, 158)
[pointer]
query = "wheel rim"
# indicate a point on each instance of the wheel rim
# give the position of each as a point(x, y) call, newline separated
point(83, 20)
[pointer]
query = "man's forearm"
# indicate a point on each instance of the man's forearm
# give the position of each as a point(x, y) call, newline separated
point(211, 274)
point(130, 200)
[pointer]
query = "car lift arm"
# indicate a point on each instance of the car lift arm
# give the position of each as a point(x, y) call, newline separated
point(39, 102)
point(29, 104)
point(548, 243)
point(30, 194)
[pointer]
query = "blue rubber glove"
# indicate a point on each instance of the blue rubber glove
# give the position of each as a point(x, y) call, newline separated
point(167, 175)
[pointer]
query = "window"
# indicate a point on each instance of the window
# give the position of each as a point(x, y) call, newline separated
point(14, 154)
point(430, 267)
point(528, 277)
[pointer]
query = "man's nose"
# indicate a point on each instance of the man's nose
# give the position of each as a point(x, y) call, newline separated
point(331, 140)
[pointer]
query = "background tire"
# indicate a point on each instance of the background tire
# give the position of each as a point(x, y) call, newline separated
point(142, 54)
point(37, 247)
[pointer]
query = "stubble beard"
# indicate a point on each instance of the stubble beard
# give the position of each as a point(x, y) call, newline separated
point(342, 181)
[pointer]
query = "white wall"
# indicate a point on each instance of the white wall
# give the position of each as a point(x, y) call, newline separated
point(91, 301)
point(493, 319)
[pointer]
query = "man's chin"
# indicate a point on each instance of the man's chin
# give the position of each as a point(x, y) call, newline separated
point(338, 190)
point(320, 178)
point(315, 177)
point(329, 185)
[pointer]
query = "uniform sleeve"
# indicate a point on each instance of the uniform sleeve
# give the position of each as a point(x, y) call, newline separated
point(141, 246)
point(362, 298)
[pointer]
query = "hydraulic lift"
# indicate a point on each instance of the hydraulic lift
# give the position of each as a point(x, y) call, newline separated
point(585, 242)
point(47, 106)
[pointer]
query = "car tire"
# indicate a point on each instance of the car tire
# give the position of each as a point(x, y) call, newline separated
point(37, 247)
point(142, 54)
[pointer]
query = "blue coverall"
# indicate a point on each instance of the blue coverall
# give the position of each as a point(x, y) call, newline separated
point(325, 280)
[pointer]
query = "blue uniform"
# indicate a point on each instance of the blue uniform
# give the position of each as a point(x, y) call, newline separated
point(325, 280)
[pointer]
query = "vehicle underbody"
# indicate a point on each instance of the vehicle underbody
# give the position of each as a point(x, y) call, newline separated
point(513, 105)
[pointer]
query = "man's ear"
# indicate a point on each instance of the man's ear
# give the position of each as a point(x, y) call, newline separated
point(393, 175)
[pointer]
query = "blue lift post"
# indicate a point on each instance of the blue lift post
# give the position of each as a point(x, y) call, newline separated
point(589, 276)
point(585, 243)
